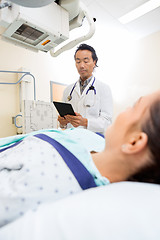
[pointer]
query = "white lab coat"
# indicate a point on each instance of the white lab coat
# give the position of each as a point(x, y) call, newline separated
point(99, 114)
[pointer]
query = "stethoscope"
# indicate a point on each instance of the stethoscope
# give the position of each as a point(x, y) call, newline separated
point(69, 98)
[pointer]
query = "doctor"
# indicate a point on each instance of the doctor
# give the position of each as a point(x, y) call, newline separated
point(90, 98)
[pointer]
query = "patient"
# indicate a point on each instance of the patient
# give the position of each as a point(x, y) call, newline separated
point(132, 150)
point(35, 171)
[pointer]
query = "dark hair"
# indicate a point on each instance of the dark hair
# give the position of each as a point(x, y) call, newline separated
point(89, 48)
point(151, 127)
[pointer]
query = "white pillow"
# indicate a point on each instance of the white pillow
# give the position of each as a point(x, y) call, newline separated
point(119, 211)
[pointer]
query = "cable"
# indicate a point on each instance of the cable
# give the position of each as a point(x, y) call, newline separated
point(18, 115)
point(25, 73)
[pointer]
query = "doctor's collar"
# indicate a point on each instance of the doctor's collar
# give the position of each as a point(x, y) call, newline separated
point(85, 81)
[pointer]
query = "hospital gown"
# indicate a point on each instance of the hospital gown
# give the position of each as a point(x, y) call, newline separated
point(33, 172)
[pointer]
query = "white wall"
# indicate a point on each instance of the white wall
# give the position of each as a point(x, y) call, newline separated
point(131, 68)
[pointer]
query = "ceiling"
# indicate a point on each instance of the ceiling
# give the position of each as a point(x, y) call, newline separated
point(107, 13)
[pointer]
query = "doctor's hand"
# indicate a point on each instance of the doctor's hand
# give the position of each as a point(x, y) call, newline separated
point(77, 120)
point(63, 121)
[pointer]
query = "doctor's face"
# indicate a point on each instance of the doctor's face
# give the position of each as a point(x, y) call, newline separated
point(84, 64)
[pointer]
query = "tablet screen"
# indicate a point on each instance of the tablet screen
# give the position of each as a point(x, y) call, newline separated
point(64, 108)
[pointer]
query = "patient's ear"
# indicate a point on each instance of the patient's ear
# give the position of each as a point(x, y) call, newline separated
point(136, 143)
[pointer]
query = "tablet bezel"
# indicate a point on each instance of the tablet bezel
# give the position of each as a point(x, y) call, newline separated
point(64, 108)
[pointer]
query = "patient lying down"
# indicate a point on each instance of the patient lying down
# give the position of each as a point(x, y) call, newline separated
point(38, 168)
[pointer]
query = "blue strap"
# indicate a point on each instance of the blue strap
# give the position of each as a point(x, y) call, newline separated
point(82, 175)
point(100, 134)
point(13, 145)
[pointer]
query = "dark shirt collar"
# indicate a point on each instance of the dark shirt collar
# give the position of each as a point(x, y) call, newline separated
point(83, 84)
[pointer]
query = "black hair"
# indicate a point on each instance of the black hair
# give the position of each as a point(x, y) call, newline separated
point(89, 48)
point(151, 127)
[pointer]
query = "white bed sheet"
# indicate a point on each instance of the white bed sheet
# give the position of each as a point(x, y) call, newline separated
point(126, 210)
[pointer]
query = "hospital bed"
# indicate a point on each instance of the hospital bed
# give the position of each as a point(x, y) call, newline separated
point(125, 210)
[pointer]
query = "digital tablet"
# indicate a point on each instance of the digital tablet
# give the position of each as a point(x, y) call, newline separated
point(64, 108)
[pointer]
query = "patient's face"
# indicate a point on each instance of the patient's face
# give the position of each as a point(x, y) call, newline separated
point(129, 120)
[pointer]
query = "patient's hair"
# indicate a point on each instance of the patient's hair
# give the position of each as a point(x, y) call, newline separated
point(89, 48)
point(151, 127)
